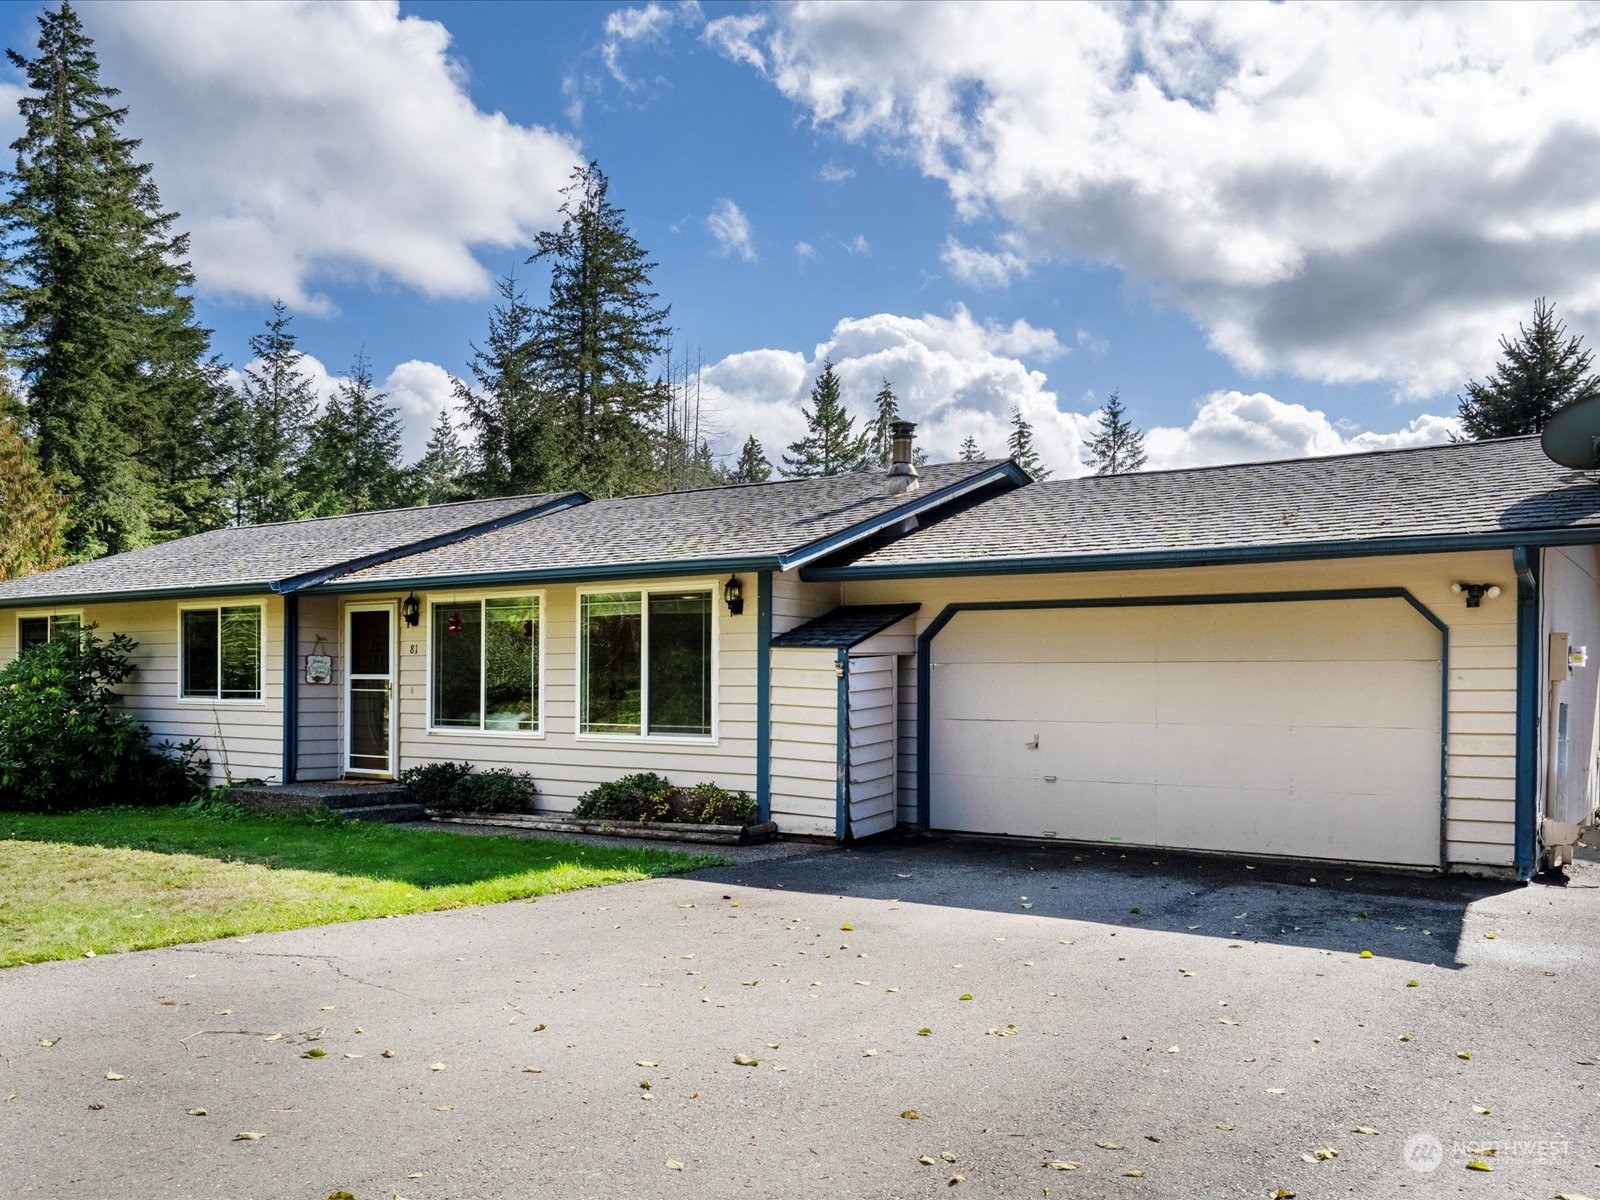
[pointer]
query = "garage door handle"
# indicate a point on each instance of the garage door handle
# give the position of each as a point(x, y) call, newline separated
point(1032, 743)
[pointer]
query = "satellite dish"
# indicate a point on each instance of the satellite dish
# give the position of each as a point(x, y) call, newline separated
point(1572, 438)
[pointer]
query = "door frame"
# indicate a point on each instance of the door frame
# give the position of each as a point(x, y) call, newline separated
point(348, 709)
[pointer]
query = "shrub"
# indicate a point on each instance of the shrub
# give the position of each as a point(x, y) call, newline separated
point(499, 790)
point(64, 742)
point(641, 797)
point(708, 804)
point(430, 784)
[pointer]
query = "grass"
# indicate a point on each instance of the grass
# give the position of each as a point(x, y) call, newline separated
point(115, 879)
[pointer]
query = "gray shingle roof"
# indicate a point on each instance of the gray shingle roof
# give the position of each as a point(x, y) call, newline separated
point(258, 557)
point(847, 626)
point(1498, 492)
point(740, 528)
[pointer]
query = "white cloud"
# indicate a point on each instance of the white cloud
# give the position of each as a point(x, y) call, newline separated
point(306, 143)
point(1346, 192)
point(958, 377)
point(649, 24)
point(731, 228)
point(982, 268)
point(1096, 346)
point(806, 252)
point(857, 245)
point(831, 173)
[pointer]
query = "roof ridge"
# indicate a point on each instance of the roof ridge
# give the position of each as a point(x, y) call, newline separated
point(369, 512)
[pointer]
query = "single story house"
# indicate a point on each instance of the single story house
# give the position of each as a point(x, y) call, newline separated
point(1377, 658)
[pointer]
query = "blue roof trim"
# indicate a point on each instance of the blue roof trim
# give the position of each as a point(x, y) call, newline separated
point(297, 583)
point(1001, 472)
point(86, 598)
point(1213, 556)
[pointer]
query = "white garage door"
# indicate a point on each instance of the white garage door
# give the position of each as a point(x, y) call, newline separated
point(1301, 728)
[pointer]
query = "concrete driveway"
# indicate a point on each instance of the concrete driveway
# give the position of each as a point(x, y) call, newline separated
point(1178, 1029)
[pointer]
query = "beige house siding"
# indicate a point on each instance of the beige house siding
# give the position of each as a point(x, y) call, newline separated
point(1482, 672)
point(243, 738)
point(564, 763)
point(794, 601)
point(321, 723)
point(805, 739)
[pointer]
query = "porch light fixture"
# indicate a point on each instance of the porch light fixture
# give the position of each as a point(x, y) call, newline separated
point(733, 595)
point(1475, 592)
point(453, 623)
point(410, 610)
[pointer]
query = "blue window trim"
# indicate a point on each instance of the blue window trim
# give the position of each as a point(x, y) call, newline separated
point(764, 696)
point(950, 611)
point(1527, 563)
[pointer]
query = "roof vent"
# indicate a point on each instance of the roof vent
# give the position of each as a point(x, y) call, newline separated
point(902, 470)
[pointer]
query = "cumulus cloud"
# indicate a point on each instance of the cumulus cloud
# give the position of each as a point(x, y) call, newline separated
point(731, 229)
point(982, 268)
point(957, 377)
point(1346, 192)
point(307, 143)
point(647, 25)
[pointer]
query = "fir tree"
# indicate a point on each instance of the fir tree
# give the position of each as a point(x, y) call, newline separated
point(353, 464)
point(752, 466)
point(1540, 373)
point(969, 450)
point(277, 406)
point(1116, 446)
point(888, 412)
point(440, 475)
point(1021, 445)
point(831, 445)
point(595, 340)
point(33, 517)
point(510, 416)
point(100, 322)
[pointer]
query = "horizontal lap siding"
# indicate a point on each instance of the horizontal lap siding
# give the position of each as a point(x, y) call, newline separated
point(564, 764)
point(243, 739)
point(795, 602)
point(1482, 682)
point(805, 733)
point(321, 751)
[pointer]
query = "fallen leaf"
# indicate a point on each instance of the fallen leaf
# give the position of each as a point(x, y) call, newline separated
point(222, 1012)
point(869, 1054)
point(1482, 1111)
point(644, 1062)
point(1133, 1173)
point(1105, 1145)
point(435, 1066)
point(947, 1156)
point(1276, 1091)
point(113, 1076)
point(1366, 954)
point(1226, 1126)
point(328, 1008)
point(1226, 1021)
point(1466, 1054)
point(388, 1054)
point(1366, 1129)
point(1405, 1037)
point(533, 1070)
point(248, 1135)
point(744, 1060)
point(95, 1107)
point(955, 1179)
point(924, 1032)
point(273, 1037)
point(1173, 1050)
point(1492, 934)
point(48, 1042)
point(444, 1108)
point(925, 1161)
point(197, 1112)
point(354, 1054)
point(1285, 1193)
point(911, 1114)
point(966, 996)
point(847, 927)
point(1413, 983)
point(315, 1052)
point(1062, 1164)
point(1477, 1164)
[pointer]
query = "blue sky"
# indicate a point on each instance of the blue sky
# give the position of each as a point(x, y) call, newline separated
point(1277, 231)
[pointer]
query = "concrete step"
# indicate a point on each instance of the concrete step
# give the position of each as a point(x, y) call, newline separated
point(391, 814)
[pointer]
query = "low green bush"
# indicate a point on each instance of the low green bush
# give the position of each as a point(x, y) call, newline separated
point(641, 797)
point(66, 744)
point(708, 804)
point(430, 784)
point(500, 790)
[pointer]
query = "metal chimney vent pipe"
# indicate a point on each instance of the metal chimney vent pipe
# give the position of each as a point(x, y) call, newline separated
point(902, 470)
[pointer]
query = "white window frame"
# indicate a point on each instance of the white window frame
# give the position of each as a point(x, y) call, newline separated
point(455, 600)
point(261, 652)
point(644, 591)
point(50, 614)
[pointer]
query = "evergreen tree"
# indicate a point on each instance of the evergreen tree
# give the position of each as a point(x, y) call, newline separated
point(595, 340)
point(1541, 372)
point(33, 519)
point(276, 407)
point(1117, 446)
point(752, 466)
point(888, 412)
point(99, 320)
point(831, 445)
point(510, 416)
point(1021, 446)
point(969, 450)
point(440, 475)
point(353, 464)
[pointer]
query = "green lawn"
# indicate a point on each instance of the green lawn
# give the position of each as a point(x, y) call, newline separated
point(117, 879)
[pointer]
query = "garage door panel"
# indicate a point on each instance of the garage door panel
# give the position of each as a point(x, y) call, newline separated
point(1306, 729)
point(1085, 753)
point(1109, 692)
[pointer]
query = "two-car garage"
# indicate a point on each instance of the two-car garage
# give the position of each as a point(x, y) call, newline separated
point(1304, 726)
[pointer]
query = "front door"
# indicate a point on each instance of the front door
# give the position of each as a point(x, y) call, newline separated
point(369, 691)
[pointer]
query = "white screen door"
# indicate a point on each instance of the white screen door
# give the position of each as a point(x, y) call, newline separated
point(369, 708)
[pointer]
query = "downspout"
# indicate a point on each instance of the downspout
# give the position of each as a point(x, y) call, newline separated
point(291, 687)
point(1527, 814)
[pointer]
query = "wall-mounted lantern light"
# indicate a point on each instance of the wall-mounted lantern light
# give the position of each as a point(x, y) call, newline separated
point(1475, 592)
point(410, 610)
point(733, 595)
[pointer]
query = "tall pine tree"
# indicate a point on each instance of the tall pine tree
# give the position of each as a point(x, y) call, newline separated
point(1021, 445)
point(752, 466)
point(888, 412)
point(277, 407)
point(595, 341)
point(440, 475)
point(353, 464)
point(509, 415)
point(99, 319)
point(1540, 373)
point(1117, 446)
point(32, 516)
point(831, 445)
point(969, 450)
